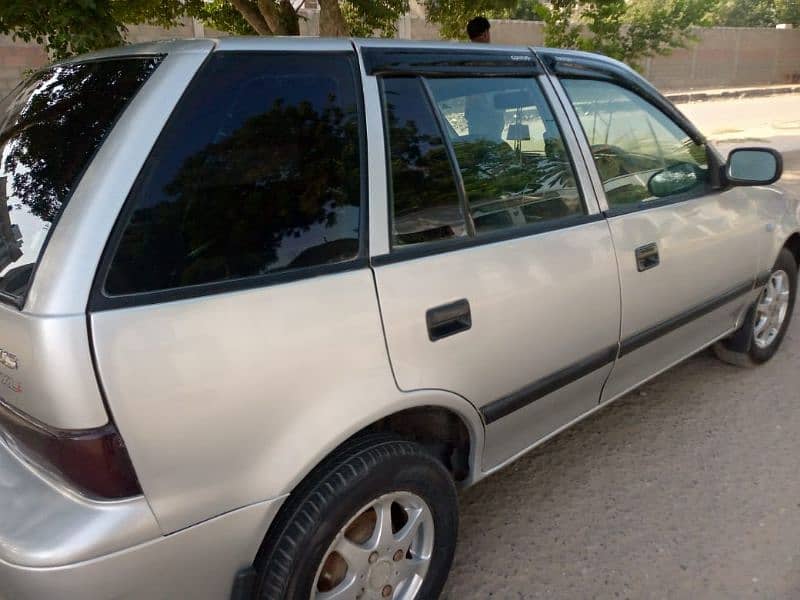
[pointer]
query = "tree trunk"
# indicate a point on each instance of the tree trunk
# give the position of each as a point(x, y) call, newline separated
point(281, 18)
point(251, 14)
point(289, 19)
point(331, 21)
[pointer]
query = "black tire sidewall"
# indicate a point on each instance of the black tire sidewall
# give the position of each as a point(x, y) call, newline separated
point(786, 263)
point(419, 474)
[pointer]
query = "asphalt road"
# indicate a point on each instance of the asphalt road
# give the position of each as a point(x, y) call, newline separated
point(686, 488)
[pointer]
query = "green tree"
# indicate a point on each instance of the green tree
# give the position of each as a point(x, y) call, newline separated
point(757, 13)
point(453, 15)
point(746, 13)
point(626, 30)
point(69, 27)
point(787, 11)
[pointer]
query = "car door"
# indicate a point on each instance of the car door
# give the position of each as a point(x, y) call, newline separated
point(687, 249)
point(499, 281)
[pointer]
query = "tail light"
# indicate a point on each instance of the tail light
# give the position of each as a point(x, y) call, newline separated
point(94, 461)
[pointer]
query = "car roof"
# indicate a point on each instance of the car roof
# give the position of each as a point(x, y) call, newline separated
point(295, 43)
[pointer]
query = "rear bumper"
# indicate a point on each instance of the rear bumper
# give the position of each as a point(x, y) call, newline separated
point(54, 544)
point(200, 562)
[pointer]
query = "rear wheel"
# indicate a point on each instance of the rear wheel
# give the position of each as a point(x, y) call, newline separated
point(768, 319)
point(378, 520)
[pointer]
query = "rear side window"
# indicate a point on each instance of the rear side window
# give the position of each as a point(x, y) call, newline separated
point(50, 127)
point(426, 203)
point(475, 156)
point(257, 172)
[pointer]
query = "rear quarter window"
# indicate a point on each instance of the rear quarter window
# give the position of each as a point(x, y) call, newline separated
point(257, 173)
point(50, 128)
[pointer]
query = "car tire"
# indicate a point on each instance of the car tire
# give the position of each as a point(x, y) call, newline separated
point(760, 337)
point(327, 535)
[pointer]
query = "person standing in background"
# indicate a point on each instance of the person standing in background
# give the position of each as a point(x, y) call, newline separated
point(483, 119)
point(478, 30)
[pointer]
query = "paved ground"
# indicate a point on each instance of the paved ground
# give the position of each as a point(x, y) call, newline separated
point(687, 488)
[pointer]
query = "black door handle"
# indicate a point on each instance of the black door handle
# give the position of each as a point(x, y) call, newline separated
point(448, 319)
point(647, 257)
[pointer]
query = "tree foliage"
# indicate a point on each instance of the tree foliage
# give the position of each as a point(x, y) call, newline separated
point(757, 13)
point(453, 15)
point(67, 27)
point(626, 30)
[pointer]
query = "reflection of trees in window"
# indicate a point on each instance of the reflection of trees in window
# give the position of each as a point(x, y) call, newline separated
point(493, 170)
point(425, 198)
point(240, 206)
point(60, 119)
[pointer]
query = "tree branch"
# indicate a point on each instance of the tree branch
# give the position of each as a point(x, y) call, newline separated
point(331, 21)
point(271, 14)
point(252, 15)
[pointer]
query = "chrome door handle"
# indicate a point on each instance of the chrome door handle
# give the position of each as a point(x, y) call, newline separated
point(647, 257)
point(448, 319)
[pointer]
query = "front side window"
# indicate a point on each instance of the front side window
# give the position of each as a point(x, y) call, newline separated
point(498, 138)
point(50, 128)
point(257, 172)
point(640, 153)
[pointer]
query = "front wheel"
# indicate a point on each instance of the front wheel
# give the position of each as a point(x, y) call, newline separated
point(769, 318)
point(378, 520)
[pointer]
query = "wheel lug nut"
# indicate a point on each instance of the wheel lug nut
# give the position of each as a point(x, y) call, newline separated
point(373, 557)
point(386, 591)
point(398, 556)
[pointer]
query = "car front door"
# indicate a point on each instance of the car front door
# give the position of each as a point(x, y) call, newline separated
point(687, 249)
point(498, 279)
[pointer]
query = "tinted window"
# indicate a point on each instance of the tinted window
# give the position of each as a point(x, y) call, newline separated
point(256, 172)
point(632, 141)
point(426, 205)
point(509, 150)
point(53, 124)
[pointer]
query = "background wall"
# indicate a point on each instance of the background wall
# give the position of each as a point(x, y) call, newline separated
point(722, 57)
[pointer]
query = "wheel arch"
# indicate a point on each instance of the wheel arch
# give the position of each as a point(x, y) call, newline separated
point(793, 245)
point(445, 423)
point(435, 418)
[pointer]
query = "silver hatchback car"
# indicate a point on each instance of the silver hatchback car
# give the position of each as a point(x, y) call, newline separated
point(268, 303)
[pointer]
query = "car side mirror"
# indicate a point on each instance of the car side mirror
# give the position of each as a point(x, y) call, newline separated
point(754, 166)
point(675, 179)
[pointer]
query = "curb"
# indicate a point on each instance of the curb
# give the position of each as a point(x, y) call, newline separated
point(707, 95)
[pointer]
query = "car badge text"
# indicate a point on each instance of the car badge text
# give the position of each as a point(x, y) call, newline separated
point(8, 360)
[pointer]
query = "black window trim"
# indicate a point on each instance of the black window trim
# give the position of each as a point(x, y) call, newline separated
point(411, 252)
point(416, 251)
point(445, 62)
point(20, 301)
point(100, 301)
point(451, 156)
point(625, 209)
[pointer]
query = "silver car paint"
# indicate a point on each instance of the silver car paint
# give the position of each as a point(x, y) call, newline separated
point(197, 563)
point(700, 245)
point(522, 292)
point(42, 524)
point(252, 389)
point(212, 426)
point(54, 381)
point(59, 386)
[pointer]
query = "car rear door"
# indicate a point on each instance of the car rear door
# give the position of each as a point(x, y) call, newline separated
point(496, 278)
point(687, 249)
